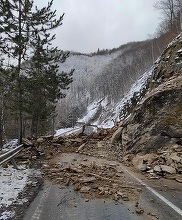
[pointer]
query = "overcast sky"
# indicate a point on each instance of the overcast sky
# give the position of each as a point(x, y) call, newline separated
point(104, 24)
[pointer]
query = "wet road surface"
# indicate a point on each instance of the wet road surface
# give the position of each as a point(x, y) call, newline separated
point(61, 202)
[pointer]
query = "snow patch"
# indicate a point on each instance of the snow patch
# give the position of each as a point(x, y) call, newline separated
point(62, 131)
point(91, 111)
point(12, 182)
point(10, 145)
point(6, 215)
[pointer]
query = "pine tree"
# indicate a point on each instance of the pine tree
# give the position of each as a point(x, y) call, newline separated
point(5, 93)
point(21, 28)
point(14, 26)
point(45, 83)
point(2, 104)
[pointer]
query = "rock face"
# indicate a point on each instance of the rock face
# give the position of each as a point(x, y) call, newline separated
point(156, 121)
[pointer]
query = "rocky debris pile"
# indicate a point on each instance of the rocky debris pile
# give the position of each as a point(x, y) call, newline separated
point(50, 146)
point(167, 163)
point(92, 180)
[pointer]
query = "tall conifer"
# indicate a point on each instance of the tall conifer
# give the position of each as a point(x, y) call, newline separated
point(24, 33)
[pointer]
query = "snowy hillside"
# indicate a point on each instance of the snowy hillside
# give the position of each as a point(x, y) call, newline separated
point(87, 67)
point(109, 114)
point(108, 75)
point(106, 115)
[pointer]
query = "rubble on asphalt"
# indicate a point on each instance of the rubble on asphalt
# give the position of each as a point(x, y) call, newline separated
point(166, 163)
point(99, 180)
point(93, 180)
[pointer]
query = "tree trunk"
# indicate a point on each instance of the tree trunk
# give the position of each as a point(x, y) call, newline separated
point(181, 14)
point(34, 126)
point(1, 135)
point(2, 121)
point(20, 122)
point(19, 78)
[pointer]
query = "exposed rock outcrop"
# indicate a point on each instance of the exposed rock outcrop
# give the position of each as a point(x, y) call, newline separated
point(156, 121)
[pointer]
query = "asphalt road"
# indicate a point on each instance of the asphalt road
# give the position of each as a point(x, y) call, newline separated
point(160, 199)
point(54, 203)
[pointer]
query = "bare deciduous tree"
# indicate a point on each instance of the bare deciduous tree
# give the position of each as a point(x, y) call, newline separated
point(171, 11)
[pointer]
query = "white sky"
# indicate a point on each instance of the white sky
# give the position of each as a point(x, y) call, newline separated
point(104, 24)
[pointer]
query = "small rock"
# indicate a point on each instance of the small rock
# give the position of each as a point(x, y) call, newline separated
point(112, 164)
point(101, 193)
point(168, 169)
point(59, 179)
point(170, 176)
point(175, 158)
point(150, 171)
point(27, 142)
point(142, 167)
point(154, 215)
point(139, 189)
point(67, 182)
point(40, 140)
point(152, 200)
point(128, 157)
point(107, 193)
point(76, 187)
point(78, 140)
point(81, 148)
point(179, 180)
point(85, 189)
point(136, 204)
point(125, 198)
point(115, 197)
point(87, 179)
point(157, 168)
point(120, 194)
point(5, 165)
point(139, 211)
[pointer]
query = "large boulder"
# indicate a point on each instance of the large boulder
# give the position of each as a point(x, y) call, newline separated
point(117, 135)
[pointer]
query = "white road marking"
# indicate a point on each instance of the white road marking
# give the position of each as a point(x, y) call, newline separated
point(38, 211)
point(175, 208)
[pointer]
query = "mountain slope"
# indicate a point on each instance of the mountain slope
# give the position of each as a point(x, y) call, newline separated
point(155, 119)
point(105, 74)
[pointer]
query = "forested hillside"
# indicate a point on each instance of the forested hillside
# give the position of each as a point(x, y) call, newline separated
point(106, 73)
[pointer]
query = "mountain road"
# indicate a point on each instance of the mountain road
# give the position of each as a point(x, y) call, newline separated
point(158, 199)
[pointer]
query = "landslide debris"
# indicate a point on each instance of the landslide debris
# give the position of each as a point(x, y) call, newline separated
point(92, 180)
point(102, 179)
point(88, 176)
point(165, 163)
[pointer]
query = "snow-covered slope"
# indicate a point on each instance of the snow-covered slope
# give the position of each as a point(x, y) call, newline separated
point(87, 64)
point(86, 67)
point(105, 114)
point(106, 76)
